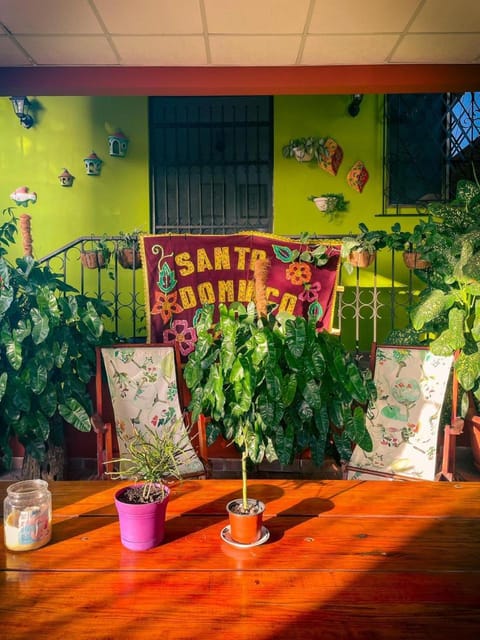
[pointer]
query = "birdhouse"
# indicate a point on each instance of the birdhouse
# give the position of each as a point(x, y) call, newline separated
point(66, 178)
point(118, 144)
point(93, 164)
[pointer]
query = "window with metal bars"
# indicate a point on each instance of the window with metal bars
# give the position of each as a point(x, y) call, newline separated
point(211, 164)
point(431, 142)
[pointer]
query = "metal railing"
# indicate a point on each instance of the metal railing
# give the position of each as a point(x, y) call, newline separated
point(370, 302)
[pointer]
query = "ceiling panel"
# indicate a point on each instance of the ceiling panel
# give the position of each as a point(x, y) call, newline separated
point(160, 33)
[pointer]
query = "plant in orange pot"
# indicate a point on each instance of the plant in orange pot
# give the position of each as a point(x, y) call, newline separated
point(360, 250)
point(273, 386)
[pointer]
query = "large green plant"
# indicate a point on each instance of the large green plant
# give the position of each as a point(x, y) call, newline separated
point(448, 311)
point(275, 386)
point(47, 337)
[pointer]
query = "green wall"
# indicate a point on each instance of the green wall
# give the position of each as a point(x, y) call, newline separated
point(360, 139)
point(68, 129)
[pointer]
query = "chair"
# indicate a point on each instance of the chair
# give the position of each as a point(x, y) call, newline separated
point(142, 384)
point(405, 418)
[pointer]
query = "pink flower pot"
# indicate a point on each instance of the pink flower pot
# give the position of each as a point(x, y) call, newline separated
point(142, 526)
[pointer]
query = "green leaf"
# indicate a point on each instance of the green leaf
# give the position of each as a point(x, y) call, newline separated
point(13, 351)
point(3, 384)
point(428, 309)
point(41, 326)
point(73, 413)
point(467, 367)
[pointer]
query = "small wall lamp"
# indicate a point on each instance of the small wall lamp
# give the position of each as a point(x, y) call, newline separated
point(354, 106)
point(21, 106)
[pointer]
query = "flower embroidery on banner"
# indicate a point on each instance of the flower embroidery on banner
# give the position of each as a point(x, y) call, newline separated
point(184, 335)
point(166, 305)
point(310, 292)
point(299, 273)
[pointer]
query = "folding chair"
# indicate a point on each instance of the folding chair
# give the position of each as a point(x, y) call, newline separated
point(404, 420)
point(142, 384)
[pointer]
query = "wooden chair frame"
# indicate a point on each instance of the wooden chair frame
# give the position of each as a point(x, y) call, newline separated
point(103, 421)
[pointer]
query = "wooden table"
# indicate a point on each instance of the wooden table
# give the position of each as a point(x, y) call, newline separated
point(345, 559)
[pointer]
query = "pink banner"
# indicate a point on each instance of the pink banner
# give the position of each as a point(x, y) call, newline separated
point(183, 272)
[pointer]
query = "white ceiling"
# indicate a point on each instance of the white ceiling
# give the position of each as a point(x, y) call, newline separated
point(175, 33)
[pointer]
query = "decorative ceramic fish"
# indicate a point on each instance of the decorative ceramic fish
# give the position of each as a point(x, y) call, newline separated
point(23, 196)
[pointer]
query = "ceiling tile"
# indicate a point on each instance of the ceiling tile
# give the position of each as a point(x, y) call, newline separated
point(10, 55)
point(254, 50)
point(365, 16)
point(438, 49)
point(73, 50)
point(332, 50)
point(254, 16)
point(154, 17)
point(161, 50)
point(439, 15)
point(49, 16)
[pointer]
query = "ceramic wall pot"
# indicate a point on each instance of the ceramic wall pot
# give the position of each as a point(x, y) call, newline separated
point(142, 526)
point(93, 260)
point(246, 528)
point(325, 204)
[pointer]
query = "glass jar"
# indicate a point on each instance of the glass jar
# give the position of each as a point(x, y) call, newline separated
point(27, 515)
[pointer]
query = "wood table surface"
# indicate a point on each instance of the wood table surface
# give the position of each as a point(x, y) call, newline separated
point(345, 559)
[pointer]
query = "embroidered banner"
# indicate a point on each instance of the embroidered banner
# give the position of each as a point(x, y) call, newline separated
point(183, 272)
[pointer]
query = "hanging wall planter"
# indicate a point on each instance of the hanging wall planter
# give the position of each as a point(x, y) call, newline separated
point(329, 202)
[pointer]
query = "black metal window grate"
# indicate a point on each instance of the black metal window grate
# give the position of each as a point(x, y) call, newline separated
point(211, 164)
point(431, 142)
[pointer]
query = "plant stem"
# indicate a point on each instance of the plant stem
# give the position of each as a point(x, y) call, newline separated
point(244, 480)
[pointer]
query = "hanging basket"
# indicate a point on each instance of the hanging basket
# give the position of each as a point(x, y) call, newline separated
point(129, 259)
point(93, 260)
point(361, 259)
point(301, 155)
point(413, 260)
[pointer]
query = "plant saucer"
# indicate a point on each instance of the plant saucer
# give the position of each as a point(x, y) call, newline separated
point(226, 537)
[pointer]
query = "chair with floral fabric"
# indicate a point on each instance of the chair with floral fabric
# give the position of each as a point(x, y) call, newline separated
point(142, 385)
point(404, 421)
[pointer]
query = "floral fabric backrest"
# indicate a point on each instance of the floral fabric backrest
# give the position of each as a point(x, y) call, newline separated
point(143, 389)
point(404, 420)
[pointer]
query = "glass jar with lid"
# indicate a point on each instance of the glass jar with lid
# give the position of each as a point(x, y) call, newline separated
point(27, 515)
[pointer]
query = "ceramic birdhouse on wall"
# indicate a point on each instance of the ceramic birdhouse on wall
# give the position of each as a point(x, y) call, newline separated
point(66, 179)
point(118, 144)
point(93, 164)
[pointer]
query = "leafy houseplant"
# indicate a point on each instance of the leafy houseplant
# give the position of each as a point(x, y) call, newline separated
point(329, 202)
point(360, 250)
point(128, 249)
point(274, 386)
point(47, 337)
point(447, 315)
point(303, 149)
point(416, 245)
point(153, 458)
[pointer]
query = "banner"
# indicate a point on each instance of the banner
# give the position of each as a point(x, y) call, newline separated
point(183, 272)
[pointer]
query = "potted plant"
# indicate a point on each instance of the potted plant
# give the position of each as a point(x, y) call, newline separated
point(360, 250)
point(128, 249)
point(153, 458)
point(415, 245)
point(302, 149)
point(98, 256)
point(329, 202)
point(274, 386)
point(48, 334)
point(448, 309)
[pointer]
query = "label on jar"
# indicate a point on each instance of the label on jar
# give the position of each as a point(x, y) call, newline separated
point(28, 529)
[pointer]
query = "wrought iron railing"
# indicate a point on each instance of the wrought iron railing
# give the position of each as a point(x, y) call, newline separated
point(370, 302)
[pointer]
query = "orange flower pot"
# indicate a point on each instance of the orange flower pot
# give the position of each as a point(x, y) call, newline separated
point(245, 528)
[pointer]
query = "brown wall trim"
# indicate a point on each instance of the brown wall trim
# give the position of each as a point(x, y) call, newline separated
point(158, 81)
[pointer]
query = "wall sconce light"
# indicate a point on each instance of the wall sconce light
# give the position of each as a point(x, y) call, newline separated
point(66, 178)
point(21, 106)
point(354, 106)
